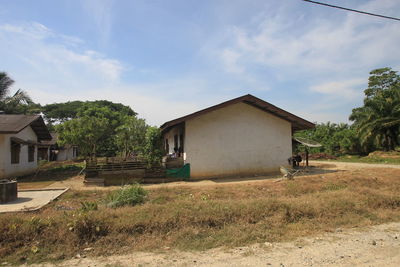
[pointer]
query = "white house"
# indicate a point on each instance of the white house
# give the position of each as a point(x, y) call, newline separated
point(51, 151)
point(239, 137)
point(19, 138)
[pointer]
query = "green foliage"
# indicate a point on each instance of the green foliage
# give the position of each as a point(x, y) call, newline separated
point(61, 112)
point(335, 138)
point(377, 122)
point(127, 196)
point(130, 136)
point(19, 102)
point(5, 84)
point(88, 131)
point(153, 150)
point(93, 126)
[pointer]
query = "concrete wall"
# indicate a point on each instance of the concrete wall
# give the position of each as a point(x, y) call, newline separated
point(23, 167)
point(67, 153)
point(237, 140)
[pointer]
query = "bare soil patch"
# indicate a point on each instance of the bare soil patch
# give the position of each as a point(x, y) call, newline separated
point(372, 246)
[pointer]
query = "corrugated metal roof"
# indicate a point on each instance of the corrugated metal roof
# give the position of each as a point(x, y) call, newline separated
point(297, 122)
point(10, 123)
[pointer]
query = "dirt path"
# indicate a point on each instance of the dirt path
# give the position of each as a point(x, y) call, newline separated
point(76, 182)
point(352, 165)
point(375, 246)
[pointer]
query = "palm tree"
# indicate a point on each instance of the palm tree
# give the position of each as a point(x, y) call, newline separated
point(378, 121)
point(14, 103)
point(5, 84)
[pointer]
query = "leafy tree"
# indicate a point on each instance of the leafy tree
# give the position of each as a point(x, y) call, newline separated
point(61, 112)
point(377, 122)
point(335, 138)
point(153, 150)
point(130, 136)
point(88, 131)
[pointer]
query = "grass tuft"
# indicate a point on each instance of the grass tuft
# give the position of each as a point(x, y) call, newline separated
point(127, 196)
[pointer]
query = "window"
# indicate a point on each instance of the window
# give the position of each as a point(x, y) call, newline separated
point(31, 153)
point(15, 149)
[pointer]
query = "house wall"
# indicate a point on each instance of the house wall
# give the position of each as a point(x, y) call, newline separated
point(23, 167)
point(237, 140)
point(67, 153)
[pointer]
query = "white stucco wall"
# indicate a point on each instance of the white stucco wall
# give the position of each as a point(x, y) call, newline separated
point(67, 153)
point(23, 167)
point(237, 140)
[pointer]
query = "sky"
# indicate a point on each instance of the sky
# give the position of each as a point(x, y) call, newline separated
point(169, 58)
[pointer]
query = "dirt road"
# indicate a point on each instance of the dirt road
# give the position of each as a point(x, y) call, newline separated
point(352, 165)
point(76, 183)
point(375, 246)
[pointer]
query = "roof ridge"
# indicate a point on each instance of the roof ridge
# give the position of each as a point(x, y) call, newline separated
point(297, 122)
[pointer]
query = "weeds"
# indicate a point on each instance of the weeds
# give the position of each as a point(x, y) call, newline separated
point(88, 228)
point(127, 196)
point(88, 206)
point(200, 217)
point(334, 186)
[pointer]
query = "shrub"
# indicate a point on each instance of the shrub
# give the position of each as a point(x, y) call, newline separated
point(127, 195)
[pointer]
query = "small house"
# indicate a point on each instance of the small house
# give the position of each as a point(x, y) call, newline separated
point(240, 137)
point(50, 150)
point(19, 138)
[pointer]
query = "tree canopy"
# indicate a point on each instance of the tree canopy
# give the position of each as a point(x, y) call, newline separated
point(377, 122)
point(335, 138)
point(61, 112)
point(94, 127)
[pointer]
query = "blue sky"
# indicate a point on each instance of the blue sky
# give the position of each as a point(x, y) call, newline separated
point(169, 58)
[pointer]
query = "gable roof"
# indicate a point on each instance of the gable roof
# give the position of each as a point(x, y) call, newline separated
point(297, 122)
point(53, 141)
point(11, 123)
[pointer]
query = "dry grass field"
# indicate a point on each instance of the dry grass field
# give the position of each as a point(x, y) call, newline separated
point(205, 216)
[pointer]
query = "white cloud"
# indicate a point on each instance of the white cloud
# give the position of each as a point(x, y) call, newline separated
point(230, 60)
point(342, 89)
point(31, 30)
point(100, 12)
point(329, 45)
point(48, 53)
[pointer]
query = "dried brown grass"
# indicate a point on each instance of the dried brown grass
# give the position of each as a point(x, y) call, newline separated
point(203, 217)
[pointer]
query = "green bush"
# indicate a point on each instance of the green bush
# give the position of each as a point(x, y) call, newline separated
point(127, 195)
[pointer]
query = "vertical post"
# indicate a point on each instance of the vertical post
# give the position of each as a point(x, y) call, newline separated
point(306, 156)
